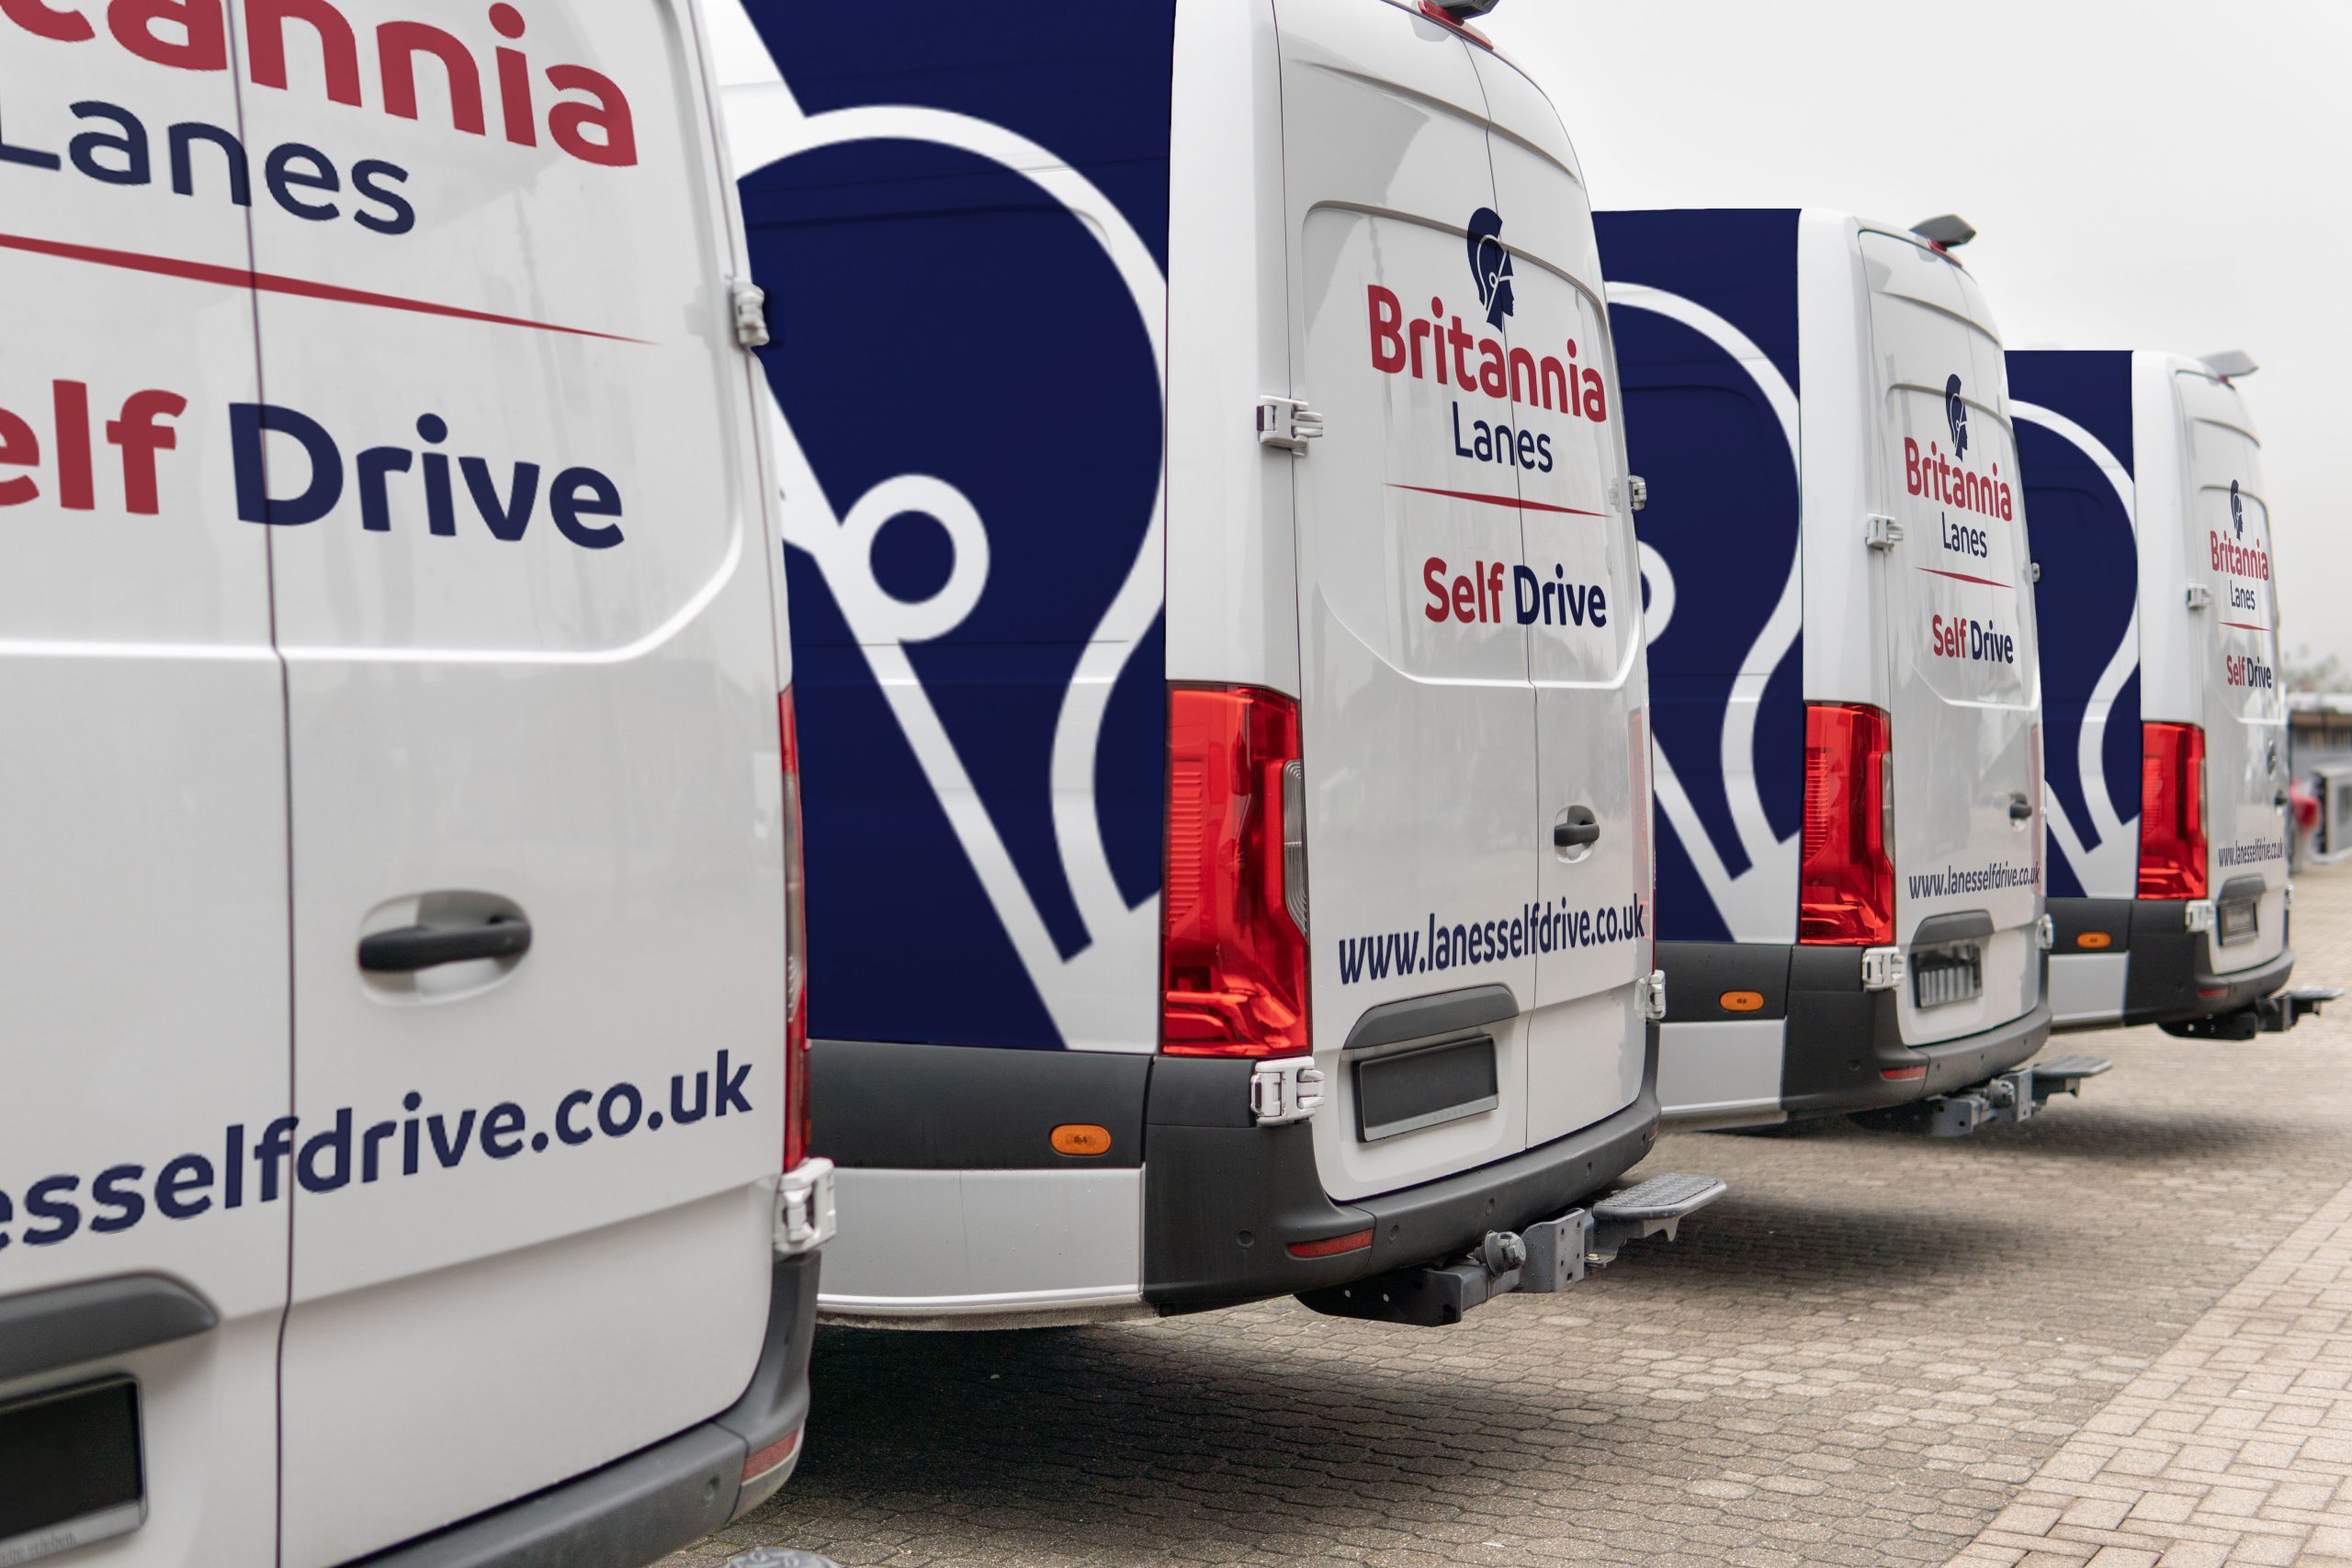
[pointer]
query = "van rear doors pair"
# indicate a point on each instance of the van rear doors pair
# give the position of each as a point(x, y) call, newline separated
point(381, 549)
point(1477, 804)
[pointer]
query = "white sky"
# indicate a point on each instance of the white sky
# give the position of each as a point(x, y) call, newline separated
point(2144, 174)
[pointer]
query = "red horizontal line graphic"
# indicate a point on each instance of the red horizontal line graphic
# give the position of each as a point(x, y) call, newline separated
point(274, 283)
point(1963, 577)
point(1511, 500)
point(2246, 626)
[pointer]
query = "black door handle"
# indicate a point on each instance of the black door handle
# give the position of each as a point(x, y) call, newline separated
point(412, 948)
point(1569, 835)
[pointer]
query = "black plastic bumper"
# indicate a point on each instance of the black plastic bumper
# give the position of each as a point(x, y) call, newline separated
point(2167, 980)
point(641, 1508)
point(1225, 1200)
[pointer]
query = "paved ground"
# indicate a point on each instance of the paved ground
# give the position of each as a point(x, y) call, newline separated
point(2111, 1335)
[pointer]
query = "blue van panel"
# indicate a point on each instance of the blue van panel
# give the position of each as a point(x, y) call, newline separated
point(2085, 544)
point(1724, 514)
point(937, 313)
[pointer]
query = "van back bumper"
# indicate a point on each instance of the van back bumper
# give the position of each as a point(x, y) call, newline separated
point(639, 1509)
point(2168, 980)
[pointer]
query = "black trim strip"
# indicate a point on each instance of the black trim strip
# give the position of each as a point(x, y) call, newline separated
point(96, 1320)
point(892, 1106)
point(1416, 1018)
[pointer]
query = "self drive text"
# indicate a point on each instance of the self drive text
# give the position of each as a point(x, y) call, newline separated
point(261, 1163)
point(299, 477)
point(1537, 928)
point(1478, 595)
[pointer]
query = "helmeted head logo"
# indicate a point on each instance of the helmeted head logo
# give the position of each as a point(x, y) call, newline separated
point(2238, 510)
point(1956, 416)
point(1491, 264)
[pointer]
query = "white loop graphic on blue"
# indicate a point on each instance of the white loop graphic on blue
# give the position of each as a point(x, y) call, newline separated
point(1090, 995)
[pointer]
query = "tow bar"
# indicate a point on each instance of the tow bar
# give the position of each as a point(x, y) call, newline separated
point(1542, 1258)
point(2011, 1097)
point(2273, 1014)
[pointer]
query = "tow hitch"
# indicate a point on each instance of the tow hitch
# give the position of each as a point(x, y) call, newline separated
point(2273, 1014)
point(1542, 1258)
point(2011, 1097)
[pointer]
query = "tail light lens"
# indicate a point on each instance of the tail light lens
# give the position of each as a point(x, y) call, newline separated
point(795, 952)
point(1234, 957)
point(2172, 811)
point(1845, 885)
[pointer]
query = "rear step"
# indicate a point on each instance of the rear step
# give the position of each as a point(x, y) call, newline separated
point(1543, 1258)
point(2273, 1014)
point(2012, 1096)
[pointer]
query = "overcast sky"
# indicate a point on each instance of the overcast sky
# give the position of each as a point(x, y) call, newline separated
point(2144, 174)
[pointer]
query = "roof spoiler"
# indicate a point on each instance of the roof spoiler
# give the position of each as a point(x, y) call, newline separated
point(2230, 363)
point(1948, 231)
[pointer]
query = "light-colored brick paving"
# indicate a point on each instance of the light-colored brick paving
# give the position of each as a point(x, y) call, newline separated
point(2087, 1339)
point(2235, 1445)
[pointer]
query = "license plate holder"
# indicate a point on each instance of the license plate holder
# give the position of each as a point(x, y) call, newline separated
point(71, 1470)
point(1941, 977)
point(1425, 1086)
point(2236, 921)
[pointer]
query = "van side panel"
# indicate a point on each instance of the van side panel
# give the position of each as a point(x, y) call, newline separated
point(2074, 414)
point(1708, 353)
point(961, 223)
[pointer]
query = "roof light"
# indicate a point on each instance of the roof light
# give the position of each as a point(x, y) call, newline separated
point(1454, 15)
point(2230, 363)
point(1946, 231)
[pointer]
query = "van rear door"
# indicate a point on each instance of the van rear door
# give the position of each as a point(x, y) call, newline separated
point(1587, 1042)
point(1418, 720)
point(2246, 716)
point(522, 596)
point(1965, 678)
point(142, 795)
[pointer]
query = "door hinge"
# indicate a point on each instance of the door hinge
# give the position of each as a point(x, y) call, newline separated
point(1651, 990)
point(1880, 532)
point(2036, 572)
point(1881, 968)
point(2199, 596)
point(804, 1208)
point(1287, 423)
point(1636, 494)
point(2199, 915)
point(1287, 1090)
point(2047, 934)
point(751, 315)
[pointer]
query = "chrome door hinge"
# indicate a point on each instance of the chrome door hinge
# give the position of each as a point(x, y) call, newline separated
point(2199, 915)
point(751, 315)
point(2047, 933)
point(2290, 892)
point(1651, 990)
point(2036, 572)
point(1287, 1090)
point(1287, 423)
point(1881, 968)
point(1880, 532)
point(1633, 497)
point(804, 1208)
point(2199, 596)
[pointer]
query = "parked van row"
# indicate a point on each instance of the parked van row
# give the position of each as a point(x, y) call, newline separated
point(1258, 546)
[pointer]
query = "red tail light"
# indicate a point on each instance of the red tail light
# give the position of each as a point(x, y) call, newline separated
point(2172, 811)
point(1845, 885)
point(1234, 958)
point(795, 951)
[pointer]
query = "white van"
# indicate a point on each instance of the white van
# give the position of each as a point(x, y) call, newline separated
point(401, 1154)
point(1218, 652)
point(1843, 656)
point(2167, 769)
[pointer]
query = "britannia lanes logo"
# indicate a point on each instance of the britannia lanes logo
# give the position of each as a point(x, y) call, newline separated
point(1956, 416)
point(2238, 510)
point(1490, 263)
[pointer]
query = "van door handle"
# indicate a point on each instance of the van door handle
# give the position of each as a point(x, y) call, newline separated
point(1569, 835)
point(410, 948)
point(2020, 808)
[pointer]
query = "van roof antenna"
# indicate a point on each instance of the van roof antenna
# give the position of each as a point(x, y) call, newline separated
point(2230, 363)
point(1949, 232)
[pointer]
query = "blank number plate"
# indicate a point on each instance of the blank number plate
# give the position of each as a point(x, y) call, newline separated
point(69, 1469)
point(1941, 976)
point(1408, 1090)
point(2239, 920)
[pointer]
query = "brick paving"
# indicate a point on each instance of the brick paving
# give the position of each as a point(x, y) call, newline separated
point(2114, 1334)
